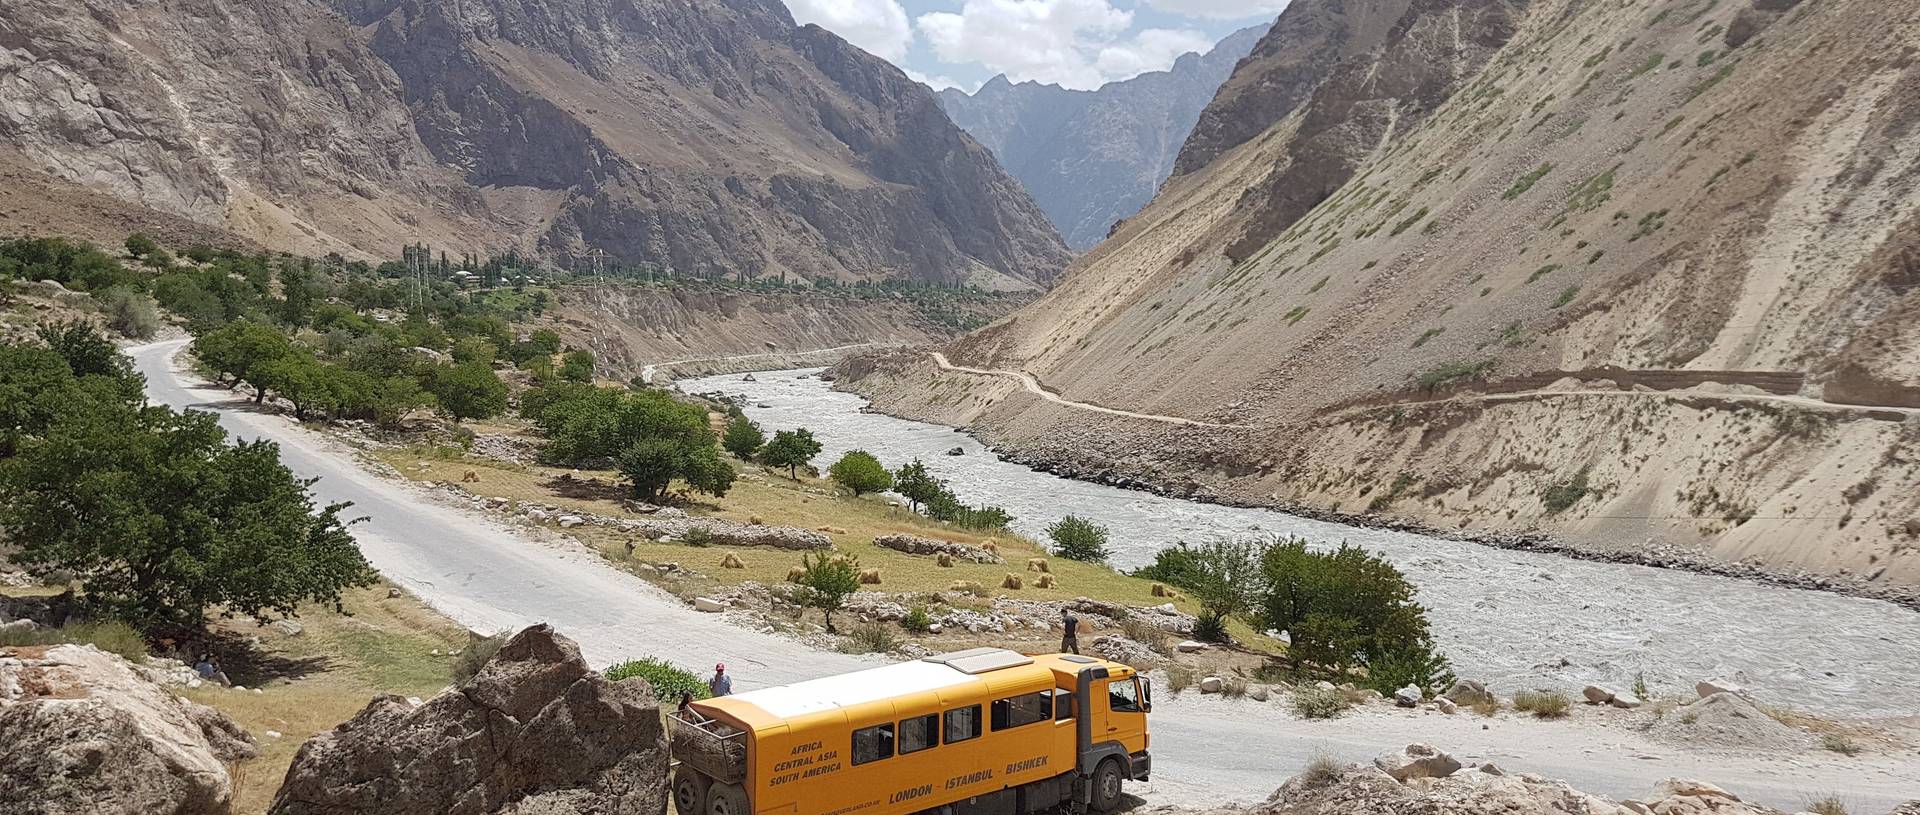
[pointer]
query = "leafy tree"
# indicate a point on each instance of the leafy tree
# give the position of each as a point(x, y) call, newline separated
point(918, 486)
point(300, 291)
point(389, 400)
point(859, 471)
point(743, 438)
point(544, 341)
point(577, 366)
point(138, 245)
point(468, 390)
point(1224, 575)
point(300, 379)
point(1345, 609)
point(1076, 538)
point(651, 464)
point(791, 449)
point(86, 353)
point(163, 520)
point(240, 350)
point(35, 386)
point(474, 349)
point(826, 582)
point(704, 471)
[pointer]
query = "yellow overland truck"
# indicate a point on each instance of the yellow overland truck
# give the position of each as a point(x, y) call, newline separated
point(981, 732)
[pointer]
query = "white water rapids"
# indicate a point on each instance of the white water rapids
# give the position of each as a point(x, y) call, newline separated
point(1507, 618)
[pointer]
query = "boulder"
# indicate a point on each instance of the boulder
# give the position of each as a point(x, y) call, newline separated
point(1446, 706)
point(1190, 647)
point(288, 627)
point(1212, 684)
point(1625, 701)
point(571, 521)
point(957, 451)
point(708, 605)
point(1468, 692)
point(1417, 761)
point(1597, 695)
point(535, 731)
point(1713, 686)
point(87, 732)
point(1259, 693)
point(1124, 651)
point(1408, 696)
point(1908, 808)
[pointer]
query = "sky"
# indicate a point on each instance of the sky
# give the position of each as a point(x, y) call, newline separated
point(1075, 43)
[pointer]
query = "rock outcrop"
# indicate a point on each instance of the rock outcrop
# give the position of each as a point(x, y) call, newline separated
point(86, 732)
point(1094, 158)
point(707, 138)
point(535, 731)
point(916, 545)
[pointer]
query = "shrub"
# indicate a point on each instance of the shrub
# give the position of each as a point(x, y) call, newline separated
point(1544, 704)
point(870, 638)
point(131, 313)
point(1640, 687)
point(743, 438)
point(860, 472)
point(1827, 805)
point(478, 651)
point(917, 620)
point(1210, 626)
point(1840, 743)
point(1488, 705)
point(1233, 687)
point(1147, 634)
point(1179, 679)
point(826, 582)
point(112, 637)
point(669, 683)
point(1320, 771)
point(697, 537)
point(1076, 538)
point(1319, 703)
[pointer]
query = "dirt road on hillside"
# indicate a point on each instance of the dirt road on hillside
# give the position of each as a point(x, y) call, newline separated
point(1034, 387)
point(1208, 751)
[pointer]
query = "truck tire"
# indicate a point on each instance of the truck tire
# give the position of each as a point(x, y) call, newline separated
point(727, 799)
point(1106, 786)
point(690, 791)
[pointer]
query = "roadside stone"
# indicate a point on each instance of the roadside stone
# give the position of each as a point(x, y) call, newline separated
point(1212, 684)
point(1625, 701)
point(1408, 696)
point(1190, 647)
point(708, 605)
point(1597, 695)
point(1417, 761)
point(1259, 693)
point(1325, 685)
point(1468, 692)
point(1446, 706)
point(571, 521)
point(1124, 651)
point(1713, 686)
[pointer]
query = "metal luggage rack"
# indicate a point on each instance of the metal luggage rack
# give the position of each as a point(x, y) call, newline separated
point(711, 746)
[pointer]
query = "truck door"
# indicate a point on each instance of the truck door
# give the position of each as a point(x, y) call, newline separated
point(1123, 713)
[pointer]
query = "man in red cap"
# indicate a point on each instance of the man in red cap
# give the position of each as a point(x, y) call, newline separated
point(720, 684)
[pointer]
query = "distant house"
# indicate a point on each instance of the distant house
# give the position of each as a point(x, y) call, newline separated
point(464, 278)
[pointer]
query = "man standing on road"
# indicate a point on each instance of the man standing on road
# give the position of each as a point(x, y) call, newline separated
point(1070, 641)
point(720, 684)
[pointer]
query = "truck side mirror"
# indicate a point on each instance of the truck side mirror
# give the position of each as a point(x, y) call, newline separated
point(1146, 693)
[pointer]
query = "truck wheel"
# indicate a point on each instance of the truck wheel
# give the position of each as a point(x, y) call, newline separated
point(1106, 786)
point(690, 791)
point(727, 799)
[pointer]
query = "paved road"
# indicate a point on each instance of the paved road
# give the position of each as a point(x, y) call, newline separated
point(1034, 387)
point(1207, 751)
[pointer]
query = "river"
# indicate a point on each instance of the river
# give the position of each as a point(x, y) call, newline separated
point(1515, 620)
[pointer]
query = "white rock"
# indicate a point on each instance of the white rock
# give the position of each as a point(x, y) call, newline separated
point(1626, 701)
point(1212, 684)
point(288, 627)
point(1446, 706)
point(1597, 695)
point(571, 521)
point(1713, 686)
point(1417, 761)
point(414, 701)
point(709, 605)
point(1408, 696)
point(273, 734)
point(934, 628)
point(1259, 693)
point(1191, 647)
point(1324, 685)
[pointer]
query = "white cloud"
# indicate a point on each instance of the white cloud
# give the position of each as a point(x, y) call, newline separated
point(941, 82)
point(1221, 9)
point(1076, 43)
point(879, 27)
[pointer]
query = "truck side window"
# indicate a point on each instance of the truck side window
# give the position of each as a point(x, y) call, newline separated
point(1062, 704)
point(872, 743)
point(963, 723)
point(1123, 697)
point(1022, 710)
point(919, 733)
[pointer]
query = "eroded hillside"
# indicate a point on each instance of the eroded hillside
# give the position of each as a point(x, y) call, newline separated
point(715, 137)
point(1639, 274)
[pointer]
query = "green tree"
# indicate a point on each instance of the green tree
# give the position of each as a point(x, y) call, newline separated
point(88, 354)
point(130, 312)
point(577, 366)
point(743, 438)
point(474, 349)
point(389, 400)
point(163, 521)
point(859, 471)
point(300, 291)
point(791, 449)
point(138, 245)
point(1076, 538)
point(544, 341)
point(827, 581)
point(299, 379)
point(1224, 575)
point(919, 487)
point(240, 349)
point(1348, 608)
point(468, 390)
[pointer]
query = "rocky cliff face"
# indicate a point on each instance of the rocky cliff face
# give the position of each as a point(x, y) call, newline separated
point(1638, 275)
point(1094, 158)
point(715, 137)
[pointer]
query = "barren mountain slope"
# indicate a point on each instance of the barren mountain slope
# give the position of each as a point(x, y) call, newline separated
point(1624, 272)
point(714, 136)
point(1093, 158)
